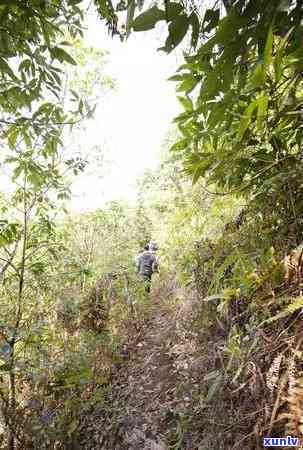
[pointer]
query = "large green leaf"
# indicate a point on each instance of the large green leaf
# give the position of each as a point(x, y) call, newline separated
point(148, 19)
point(211, 19)
point(177, 30)
point(262, 103)
point(195, 25)
point(130, 15)
point(244, 124)
point(259, 74)
point(9, 232)
point(186, 103)
point(188, 84)
point(217, 115)
point(173, 10)
point(62, 55)
point(176, 78)
point(228, 28)
point(12, 137)
point(5, 68)
point(268, 48)
point(182, 144)
point(257, 78)
point(279, 54)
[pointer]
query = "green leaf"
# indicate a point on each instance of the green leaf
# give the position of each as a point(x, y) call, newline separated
point(214, 388)
point(131, 7)
point(257, 78)
point(148, 19)
point(25, 66)
point(35, 178)
point(62, 55)
point(176, 78)
point(198, 172)
point(74, 94)
point(262, 103)
point(27, 139)
point(57, 78)
point(212, 375)
point(198, 169)
point(186, 103)
point(244, 124)
point(9, 232)
point(5, 68)
point(283, 5)
point(278, 64)
point(268, 48)
point(228, 28)
point(80, 107)
point(173, 10)
point(180, 145)
point(211, 18)
point(12, 137)
point(216, 116)
point(18, 170)
point(296, 303)
point(195, 25)
point(259, 75)
point(278, 59)
point(130, 16)
point(189, 83)
point(177, 29)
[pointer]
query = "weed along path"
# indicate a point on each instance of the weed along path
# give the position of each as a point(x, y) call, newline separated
point(150, 392)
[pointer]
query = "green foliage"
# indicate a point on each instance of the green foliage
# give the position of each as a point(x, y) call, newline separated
point(240, 126)
point(177, 30)
point(148, 19)
point(69, 292)
point(294, 306)
point(35, 54)
point(9, 232)
point(236, 117)
point(179, 22)
point(33, 34)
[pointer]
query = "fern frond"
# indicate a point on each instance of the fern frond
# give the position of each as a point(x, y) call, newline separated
point(296, 304)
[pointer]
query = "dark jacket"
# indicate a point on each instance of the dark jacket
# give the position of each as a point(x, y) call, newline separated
point(147, 264)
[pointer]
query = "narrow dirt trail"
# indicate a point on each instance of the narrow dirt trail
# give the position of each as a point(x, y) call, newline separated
point(147, 391)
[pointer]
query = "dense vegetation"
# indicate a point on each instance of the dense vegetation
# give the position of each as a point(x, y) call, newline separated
point(225, 206)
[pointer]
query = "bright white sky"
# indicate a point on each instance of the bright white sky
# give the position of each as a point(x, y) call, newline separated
point(132, 121)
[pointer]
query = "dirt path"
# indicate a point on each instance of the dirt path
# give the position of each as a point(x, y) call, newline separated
point(147, 392)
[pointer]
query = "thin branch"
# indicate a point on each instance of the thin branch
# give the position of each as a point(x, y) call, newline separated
point(28, 119)
point(7, 263)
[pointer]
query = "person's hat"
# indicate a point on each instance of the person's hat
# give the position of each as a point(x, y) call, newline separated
point(153, 246)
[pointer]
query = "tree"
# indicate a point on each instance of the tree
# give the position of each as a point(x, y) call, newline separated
point(30, 242)
point(241, 90)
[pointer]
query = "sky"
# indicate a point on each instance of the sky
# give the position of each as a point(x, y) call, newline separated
point(131, 122)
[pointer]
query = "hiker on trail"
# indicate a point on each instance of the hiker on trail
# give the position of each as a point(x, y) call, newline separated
point(147, 264)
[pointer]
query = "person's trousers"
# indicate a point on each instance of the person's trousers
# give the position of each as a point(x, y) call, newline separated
point(147, 282)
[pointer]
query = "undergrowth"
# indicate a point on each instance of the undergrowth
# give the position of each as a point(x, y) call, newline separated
point(245, 321)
